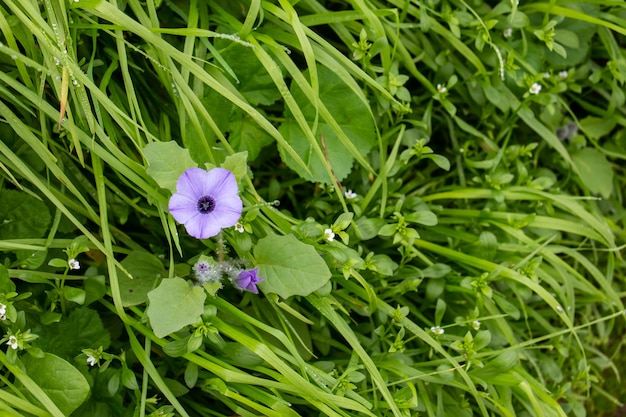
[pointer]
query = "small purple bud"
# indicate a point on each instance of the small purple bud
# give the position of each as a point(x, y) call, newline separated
point(247, 280)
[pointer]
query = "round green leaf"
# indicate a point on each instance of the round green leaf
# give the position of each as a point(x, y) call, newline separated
point(291, 267)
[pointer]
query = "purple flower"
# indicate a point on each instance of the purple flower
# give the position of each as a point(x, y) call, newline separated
point(248, 279)
point(206, 201)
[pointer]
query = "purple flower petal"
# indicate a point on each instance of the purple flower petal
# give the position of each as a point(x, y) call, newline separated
point(190, 183)
point(206, 201)
point(183, 208)
point(248, 279)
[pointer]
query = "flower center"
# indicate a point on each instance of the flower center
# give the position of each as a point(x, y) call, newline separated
point(206, 204)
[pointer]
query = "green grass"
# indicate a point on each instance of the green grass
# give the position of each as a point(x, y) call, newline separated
point(478, 271)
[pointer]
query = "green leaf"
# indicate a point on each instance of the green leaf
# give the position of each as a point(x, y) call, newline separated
point(439, 160)
point(76, 295)
point(237, 164)
point(425, 217)
point(166, 162)
point(597, 127)
point(595, 171)
point(384, 264)
point(241, 355)
point(58, 263)
point(82, 329)
point(191, 374)
point(174, 304)
point(350, 113)
point(368, 228)
point(177, 348)
point(28, 259)
point(253, 81)
point(95, 289)
point(343, 221)
point(291, 267)
point(436, 271)
point(147, 270)
point(482, 339)
point(247, 135)
point(128, 379)
point(440, 310)
point(22, 216)
point(61, 382)
point(6, 285)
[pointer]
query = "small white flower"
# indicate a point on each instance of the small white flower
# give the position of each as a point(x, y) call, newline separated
point(13, 342)
point(535, 88)
point(329, 235)
point(350, 194)
point(563, 74)
point(91, 360)
point(476, 324)
point(441, 88)
point(437, 330)
point(239, 227)
point(73, 263)
point(508, 32)
point(3, 309)
point(546, 75)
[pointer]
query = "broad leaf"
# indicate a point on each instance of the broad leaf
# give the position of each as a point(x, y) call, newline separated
point(22, 216)
point(253, 81)
point(247, 135)
point(351, 114)
point(63, 383)
point(166, 162)
point(147, 270)
point(175, 304)
point(595, 171)
point(291, 267)
point(6, 285)
point(82, 329)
